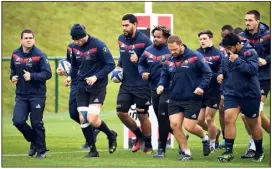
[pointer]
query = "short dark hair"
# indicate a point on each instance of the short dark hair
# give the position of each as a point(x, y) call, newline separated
point(132, 18)
point(231, 39)
point(227, 27)
point(237, 30)
point(26, 31)
point(207, 32)
point(256, 14)
point(165, 31)
point(174, 39)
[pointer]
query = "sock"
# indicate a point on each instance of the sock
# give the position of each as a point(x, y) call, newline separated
point(147, 140)
point(229, 144)
point(223, 133)
point(252, 143)
point(137, 132)
point(212, 143)
point(163, 129)
point(259, 145)
point(103, 127)
point(88, 134)
point(205, 138)
point(162, 145)
point(188, 152)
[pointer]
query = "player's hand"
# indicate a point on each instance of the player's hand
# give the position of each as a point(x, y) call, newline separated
point(27, 75)
point(198, 91)
point(60, 71)
point(67, 81)
point(91, 80)
point(145, 76)
point(220, 78)
point(134, 57)
point(232, 56)
point(160, 89)
point(14, 79)
point(262, 62)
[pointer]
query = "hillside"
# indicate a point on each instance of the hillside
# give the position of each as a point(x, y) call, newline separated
point(51, 22)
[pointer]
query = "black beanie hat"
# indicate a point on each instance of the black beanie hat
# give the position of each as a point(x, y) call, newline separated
point(78, 31)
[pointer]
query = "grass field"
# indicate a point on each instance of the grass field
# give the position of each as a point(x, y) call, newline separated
point(64, 138)
point(51, 24)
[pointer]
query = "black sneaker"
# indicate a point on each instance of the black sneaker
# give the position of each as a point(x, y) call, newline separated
point(41, 155)
point(85, 146)
point(226, 157)
point(113, 142)
point(248, 154)
point(185, 157)
point(93, 153)
point(160, 154)
point(259, 157)
point(217, 138)
point(32, 150)
point(148, 149)
point(206, 147)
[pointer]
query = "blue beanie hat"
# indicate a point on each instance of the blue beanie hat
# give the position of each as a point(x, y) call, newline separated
point(78, 31)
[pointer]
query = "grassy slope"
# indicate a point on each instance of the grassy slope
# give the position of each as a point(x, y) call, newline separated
point(53, 20)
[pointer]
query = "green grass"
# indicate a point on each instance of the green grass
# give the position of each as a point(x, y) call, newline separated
point(64, 138)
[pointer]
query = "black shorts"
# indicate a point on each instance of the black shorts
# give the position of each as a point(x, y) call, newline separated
point(211, 101)
point(265, 87)
point(249, 107)
point(127, 96)
point(190, 108)
point(85, 97)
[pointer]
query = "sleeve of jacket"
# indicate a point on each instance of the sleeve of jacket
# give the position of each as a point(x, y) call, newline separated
point(45, 72)
point(105, 57)
point(147, 43)
point(206, 71)
point(69, 57)
point(266, 43)
point(142, 64)
point(251, 64)
point(12, 68)
point(119, 63)
point(165, 76)
point(215, 74)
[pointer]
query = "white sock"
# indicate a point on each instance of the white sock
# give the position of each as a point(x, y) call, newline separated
point(252, 144)
point(212, 143)
point(188, 152)
point(205, 138)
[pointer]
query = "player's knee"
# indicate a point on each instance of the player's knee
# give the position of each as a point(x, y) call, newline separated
point(175, 125)
point(37, 125)
point(209, 119)
point(83, 111)
point(18, 122)
point(189, 127)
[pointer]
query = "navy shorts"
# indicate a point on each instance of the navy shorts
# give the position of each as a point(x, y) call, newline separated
point(190, 108)
point(265, 87)
point(249, 107)
point(85, 97)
